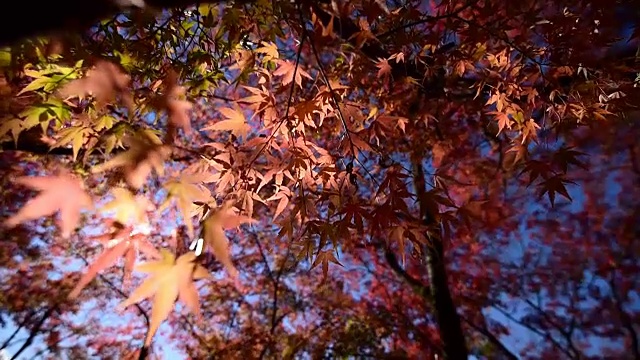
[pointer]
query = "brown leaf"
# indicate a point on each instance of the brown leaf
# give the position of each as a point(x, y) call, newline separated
point(553, 185)
point(63, 192)
point(177, 109)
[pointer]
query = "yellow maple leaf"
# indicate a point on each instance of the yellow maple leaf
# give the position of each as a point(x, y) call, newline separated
point(215, 239)
point(169, 279)
point(269, 49)
point(185, 191)
point(128, 208)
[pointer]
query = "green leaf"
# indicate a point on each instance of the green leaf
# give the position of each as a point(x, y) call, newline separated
point(75, 136)
point(5, 57)
point(105, 122)
point(36, 84)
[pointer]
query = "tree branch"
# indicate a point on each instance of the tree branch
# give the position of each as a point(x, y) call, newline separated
point(36, 329)
point(418, 287)
point(492, 339)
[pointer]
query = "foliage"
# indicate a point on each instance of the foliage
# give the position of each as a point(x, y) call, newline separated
point(403, 176)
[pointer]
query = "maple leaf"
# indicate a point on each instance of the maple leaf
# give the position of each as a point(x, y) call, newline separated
point(14, 127)
point(536, 169)
point(398, 57)
point(324, 258)
point(128, 208)
point(117, 244)
point(235, 122)
point(530, 130)
point(143, 156)
point(269, 49)
point(63, 193)
point(287, 70)
point(383, 67)
point(214, 225)
point(520, 153)
point(74, 135)
point(185, 191)
point(566, 156)
point(177, 109)
point(169, 279)
point(553, 185)
point(104, 81)
point(503, 120)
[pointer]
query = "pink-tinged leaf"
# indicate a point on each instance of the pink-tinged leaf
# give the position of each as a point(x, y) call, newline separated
point(188, 295)
point(286, 69)
point(107, 259)
point(129, 263)
point(104, 82)
point(149, 250)
point(383, 67)
point(63, 193)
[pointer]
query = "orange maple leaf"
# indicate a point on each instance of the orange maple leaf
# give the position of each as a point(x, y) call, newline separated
point(169, 279)
point(530, 130)
point(62, 193)
point(503, 120)
point(286, 69)
point(235, 122)
point(214, 225)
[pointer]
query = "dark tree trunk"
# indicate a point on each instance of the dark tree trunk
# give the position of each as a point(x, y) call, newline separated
point(453, 340)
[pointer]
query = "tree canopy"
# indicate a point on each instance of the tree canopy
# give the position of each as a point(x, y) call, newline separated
point(321, 179)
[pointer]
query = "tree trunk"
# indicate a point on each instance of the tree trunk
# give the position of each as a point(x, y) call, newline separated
point(449, 324)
